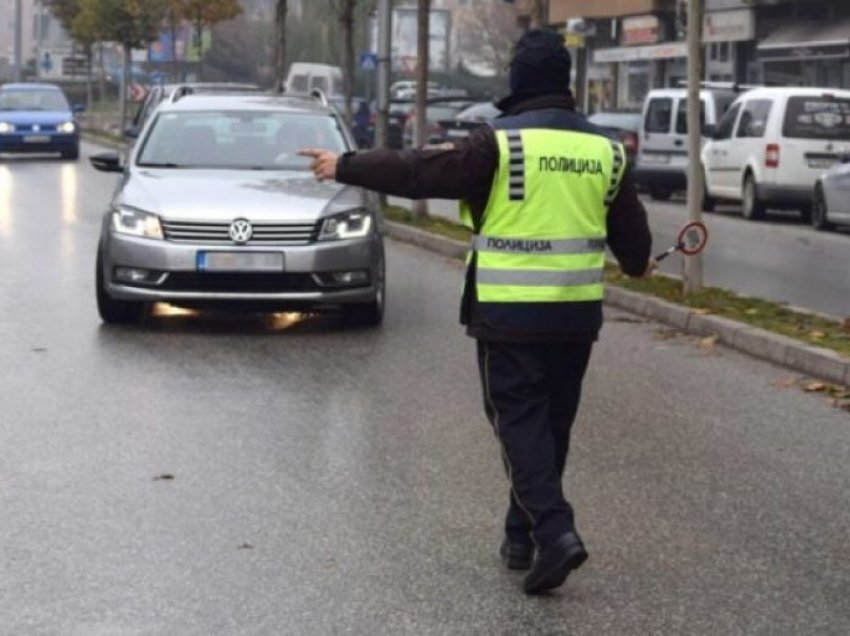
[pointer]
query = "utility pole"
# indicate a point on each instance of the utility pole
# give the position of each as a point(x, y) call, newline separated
point(693, 264)
point(19, 34)
point(420, 124)
point(384, 68)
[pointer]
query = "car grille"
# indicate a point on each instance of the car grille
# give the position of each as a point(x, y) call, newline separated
point(239, 282)
point(26, 128)
point(218, 233)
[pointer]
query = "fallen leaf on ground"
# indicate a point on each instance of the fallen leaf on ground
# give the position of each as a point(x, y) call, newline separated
point(784, 383)
point(845, 325)
point(816, 335)
point(708, 342)
point(701, 311)
point(751, 312)
point(815, 387)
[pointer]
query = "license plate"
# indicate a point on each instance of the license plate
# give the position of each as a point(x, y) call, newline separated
point(37, 139)
point(655, 158)
point(821, 164)
point(240, 261)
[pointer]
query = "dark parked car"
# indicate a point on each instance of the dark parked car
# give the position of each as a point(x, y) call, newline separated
point(468, 120)
point(624, 125)
point(438, 110)
point(38, 118)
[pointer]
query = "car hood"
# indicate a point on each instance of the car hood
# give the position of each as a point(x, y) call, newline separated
point(213, 195)
point(40, 117)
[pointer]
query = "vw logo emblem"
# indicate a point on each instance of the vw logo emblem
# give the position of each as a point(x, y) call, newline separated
point(36, 128)
point(241, 231)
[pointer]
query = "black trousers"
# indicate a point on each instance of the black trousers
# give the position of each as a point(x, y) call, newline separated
point(531, 396)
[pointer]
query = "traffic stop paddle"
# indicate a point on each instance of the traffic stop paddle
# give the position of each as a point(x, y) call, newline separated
point(692, 239)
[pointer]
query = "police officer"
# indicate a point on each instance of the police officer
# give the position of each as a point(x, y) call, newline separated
point(544, 192)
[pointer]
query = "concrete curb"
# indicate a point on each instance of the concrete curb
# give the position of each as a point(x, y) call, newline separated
point(822, 363)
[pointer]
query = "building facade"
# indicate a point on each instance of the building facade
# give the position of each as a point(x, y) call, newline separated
point(44, 43)
point(627, 47)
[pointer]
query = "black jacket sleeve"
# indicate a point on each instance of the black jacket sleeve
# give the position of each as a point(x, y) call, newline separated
point(628, 229)
point(459, 170)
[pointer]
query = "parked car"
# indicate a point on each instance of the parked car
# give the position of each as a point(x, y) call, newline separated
point(831, 201)
point(436, 111)
point(772, 146)
point(215, 209)
point(161, 92)
point(622, 125)
point(662, 159)
point(38, 118)
point(468, 119)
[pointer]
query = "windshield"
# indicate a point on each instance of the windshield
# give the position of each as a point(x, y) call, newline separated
point(238, 140)
point(33, 99)
point(818, 117)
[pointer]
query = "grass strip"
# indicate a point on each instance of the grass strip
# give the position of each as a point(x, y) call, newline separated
point(810, 329)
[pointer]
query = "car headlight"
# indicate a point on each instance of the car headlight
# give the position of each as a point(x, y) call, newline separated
point(68, 127)
point(6, 128)
point(353, 224)
point(126, 220)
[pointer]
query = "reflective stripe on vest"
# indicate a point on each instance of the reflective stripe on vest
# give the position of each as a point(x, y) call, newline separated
point(543, 232)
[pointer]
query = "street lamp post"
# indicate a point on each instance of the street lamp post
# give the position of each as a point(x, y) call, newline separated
point(19, 34)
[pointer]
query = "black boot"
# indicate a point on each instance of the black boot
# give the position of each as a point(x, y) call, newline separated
point(554, 563)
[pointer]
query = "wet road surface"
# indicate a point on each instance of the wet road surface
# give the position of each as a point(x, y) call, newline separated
point(214, 474)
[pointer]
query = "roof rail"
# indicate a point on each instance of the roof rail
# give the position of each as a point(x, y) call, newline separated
point(179, 92)
point(319, 94)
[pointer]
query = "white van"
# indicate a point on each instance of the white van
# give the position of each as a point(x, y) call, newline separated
point(661, 166)
point(773, 144)
point(304, 77)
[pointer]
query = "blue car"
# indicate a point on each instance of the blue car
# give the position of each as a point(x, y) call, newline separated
point(37, 118)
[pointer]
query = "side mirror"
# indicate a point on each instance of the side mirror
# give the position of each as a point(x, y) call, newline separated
point(79, 108)
point(107, 162)
point(132, 132)
point(709, 131)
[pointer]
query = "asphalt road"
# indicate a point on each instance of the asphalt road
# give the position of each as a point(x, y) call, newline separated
point(330, 481)
point(780, 259)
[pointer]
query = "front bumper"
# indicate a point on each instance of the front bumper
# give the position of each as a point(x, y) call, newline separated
point(45, 142)
point(791, 197)
point(302, 285)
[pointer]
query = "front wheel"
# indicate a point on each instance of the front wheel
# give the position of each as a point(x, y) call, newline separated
point(753, 207)
point(820, 218)
point(112, 311)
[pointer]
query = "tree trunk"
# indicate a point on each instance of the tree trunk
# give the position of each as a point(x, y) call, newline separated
point(125, 84)
point(90, 78)
point(347, 19)
point(199, 25)
point(420, 131)
point(280, 45)
point(175, 64)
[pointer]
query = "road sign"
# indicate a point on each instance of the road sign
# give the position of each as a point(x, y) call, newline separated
point(368, 61)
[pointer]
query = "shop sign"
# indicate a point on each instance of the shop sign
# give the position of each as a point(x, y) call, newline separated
point(631, 54)
point(729, 26)
point(642, 29)
point(805, 52)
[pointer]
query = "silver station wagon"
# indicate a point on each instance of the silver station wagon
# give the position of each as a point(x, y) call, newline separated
point(216, 210)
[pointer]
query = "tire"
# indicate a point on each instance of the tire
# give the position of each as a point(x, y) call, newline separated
point(753, 208)
point(820, 219)
point(660, 194)
point(72, 154)
point(370, 314)
point(112, 311)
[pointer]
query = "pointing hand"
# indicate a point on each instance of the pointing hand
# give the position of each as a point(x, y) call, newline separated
point(323, 164)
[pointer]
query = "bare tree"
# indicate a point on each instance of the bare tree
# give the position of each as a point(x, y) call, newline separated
point(487, 33)
point(280, 44)
point(345, 12)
